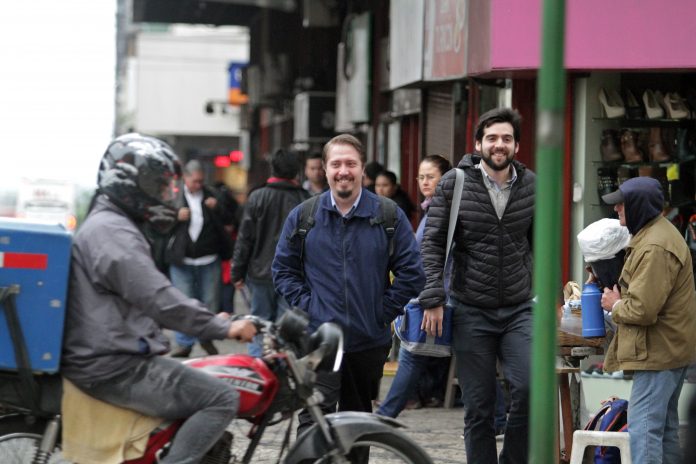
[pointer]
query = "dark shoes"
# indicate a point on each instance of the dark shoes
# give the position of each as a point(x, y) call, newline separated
point(209, 348)
point(433, 402)
point(181, 352)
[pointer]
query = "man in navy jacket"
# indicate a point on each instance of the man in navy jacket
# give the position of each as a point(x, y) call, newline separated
point(343, 275)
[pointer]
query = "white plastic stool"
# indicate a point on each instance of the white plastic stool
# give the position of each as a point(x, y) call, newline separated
point(584, 438)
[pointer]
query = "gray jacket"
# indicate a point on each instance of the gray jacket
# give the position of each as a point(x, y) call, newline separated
point(119, 301)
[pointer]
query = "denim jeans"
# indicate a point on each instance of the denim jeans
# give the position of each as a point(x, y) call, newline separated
point(653, 418)
point(479, 337)
point(162, 387)
point(267, 304)
point(201, 283)
point(411, 367)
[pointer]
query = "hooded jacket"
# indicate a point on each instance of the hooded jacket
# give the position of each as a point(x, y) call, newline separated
point(343, 275)
point(119, 301)
point(656, 316)
point(492, 257)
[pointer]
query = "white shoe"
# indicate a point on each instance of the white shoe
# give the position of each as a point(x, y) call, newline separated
point(612, 103)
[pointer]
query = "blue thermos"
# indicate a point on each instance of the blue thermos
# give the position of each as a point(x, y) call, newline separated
point(592, 313)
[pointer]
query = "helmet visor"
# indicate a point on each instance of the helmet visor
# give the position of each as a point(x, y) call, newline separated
point(165, 188)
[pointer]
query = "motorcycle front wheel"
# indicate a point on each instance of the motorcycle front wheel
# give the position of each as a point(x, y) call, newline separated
point(21, 448)
point(384, 448)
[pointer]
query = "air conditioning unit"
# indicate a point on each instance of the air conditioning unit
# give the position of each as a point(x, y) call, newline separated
point(319, 13)
point(315, 113)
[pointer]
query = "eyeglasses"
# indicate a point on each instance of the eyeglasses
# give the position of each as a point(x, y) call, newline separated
point(426, 177)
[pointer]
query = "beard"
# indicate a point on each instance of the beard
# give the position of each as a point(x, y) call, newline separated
point(488, 159)
point(341, 193)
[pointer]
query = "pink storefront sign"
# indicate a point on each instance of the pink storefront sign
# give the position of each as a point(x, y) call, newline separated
point(444, 45)
point(599, 35)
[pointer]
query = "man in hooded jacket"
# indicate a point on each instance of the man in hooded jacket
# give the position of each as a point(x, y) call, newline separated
point(654, 308)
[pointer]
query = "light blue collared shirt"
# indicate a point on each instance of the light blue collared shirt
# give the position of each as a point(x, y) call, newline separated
point(352, 208)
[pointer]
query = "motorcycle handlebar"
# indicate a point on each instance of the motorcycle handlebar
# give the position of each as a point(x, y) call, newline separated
point(262, 325)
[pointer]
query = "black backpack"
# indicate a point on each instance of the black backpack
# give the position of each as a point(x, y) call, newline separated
point(387, 219)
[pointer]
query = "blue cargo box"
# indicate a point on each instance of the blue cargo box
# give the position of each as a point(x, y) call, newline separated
point(36, 258)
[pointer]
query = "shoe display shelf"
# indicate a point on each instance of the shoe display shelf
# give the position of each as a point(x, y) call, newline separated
point(661, 148)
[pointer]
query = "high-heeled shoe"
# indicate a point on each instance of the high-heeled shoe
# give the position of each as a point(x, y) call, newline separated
point(686, 143)
point(609, 147)
point(623, 173)
point(653, 110)
point(611, 103)
point(629, 147)
point(675, 107)
point(658, 152)
point(634, 110)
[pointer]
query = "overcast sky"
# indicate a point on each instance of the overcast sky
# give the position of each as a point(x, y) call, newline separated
point(57, 68)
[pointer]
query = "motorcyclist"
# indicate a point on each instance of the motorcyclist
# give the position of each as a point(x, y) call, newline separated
point(119, 301)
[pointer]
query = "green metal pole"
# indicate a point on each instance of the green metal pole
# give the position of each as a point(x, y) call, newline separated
point(547, 235)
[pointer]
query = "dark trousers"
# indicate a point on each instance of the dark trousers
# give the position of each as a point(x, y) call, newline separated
point(480, 336)
point(352, 387)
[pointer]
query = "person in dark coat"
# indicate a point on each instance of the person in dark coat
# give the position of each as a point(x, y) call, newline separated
point(200, 244)
point(371, 170)
point(387, 186)
point(491, 285)
point(264, 214)
point(340, 274)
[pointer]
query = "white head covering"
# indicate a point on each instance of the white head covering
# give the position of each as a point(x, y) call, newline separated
point(603, 239)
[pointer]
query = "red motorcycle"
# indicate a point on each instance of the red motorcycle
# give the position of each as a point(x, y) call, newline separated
point(272, 389)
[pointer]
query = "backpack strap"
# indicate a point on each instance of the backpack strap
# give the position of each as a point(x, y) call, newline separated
point(592, 424)
point(308, 210)
point(388, 221)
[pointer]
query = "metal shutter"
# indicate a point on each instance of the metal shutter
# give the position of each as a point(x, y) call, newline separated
point(439, 121)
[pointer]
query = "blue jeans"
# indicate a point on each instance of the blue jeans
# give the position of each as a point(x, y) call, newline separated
point(479, 337)
point(653, 418)
point(201, 283)
point(267, 304)
point(411, 367)
point(161, 387)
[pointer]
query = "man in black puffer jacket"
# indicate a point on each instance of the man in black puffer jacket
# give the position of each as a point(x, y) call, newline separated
point(264, 216)
point(491, 287)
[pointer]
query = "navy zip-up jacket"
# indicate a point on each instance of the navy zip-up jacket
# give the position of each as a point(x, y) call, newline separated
point(345, 276)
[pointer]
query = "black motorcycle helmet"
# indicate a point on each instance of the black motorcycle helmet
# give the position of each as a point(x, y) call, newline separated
point(141, 175)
